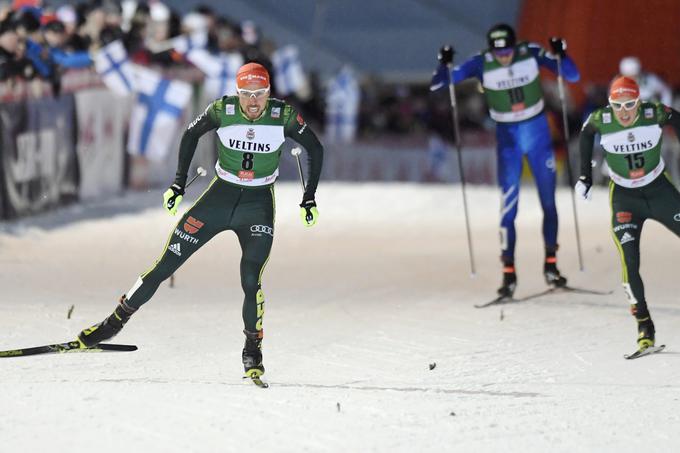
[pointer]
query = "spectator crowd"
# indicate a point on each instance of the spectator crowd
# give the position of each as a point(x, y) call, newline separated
point(37, 40)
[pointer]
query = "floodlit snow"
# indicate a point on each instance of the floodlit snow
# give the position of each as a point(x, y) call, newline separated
point(357, 309)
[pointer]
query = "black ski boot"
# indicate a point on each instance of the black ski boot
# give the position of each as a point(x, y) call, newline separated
point(507, 289)
point(252, 354)
point(552, 275)
point(645, 332)
point(109, 327)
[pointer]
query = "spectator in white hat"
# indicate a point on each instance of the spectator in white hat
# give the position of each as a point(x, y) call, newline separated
point(652, 87)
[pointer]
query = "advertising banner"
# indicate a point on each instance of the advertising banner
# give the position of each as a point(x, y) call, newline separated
point(37, 152)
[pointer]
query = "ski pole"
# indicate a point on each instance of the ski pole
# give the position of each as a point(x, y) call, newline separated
point(570, 176)
point(296, 152)
point(456, 131)
point(200, 171)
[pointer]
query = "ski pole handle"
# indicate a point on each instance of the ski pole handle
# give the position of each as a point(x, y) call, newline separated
point(296, 152)
point(200, 171)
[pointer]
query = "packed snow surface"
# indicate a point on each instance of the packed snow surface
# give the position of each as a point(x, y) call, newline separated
point(371, 343)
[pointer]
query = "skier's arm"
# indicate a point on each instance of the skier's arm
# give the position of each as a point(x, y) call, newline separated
point(549, 61)
point(473, 67)
point(585, 144)
point(669, 117)
point(674, 121)
point(300, 132)
point(586, 141)
point(205, 122)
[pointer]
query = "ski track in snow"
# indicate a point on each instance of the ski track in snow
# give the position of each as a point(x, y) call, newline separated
point(356, 309)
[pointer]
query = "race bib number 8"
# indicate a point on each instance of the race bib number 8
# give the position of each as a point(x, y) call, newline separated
point(247, 163)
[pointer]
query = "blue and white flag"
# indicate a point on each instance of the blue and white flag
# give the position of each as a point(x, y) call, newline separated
point(155, 118)
point(115, 69)
point(219, 69)
point(288, 74)
point(186, 43)
point(342, 107)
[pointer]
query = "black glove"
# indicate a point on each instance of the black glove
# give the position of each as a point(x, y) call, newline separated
point(445, 55)
point(558, 46)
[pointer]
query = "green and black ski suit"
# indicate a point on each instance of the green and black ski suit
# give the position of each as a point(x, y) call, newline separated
point(240, 197)
point(639, 189)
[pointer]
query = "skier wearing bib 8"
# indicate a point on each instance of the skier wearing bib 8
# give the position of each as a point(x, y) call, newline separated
point(251, 128)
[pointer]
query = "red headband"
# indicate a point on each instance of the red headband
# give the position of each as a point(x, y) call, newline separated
point(624, 86)
point(252, 74)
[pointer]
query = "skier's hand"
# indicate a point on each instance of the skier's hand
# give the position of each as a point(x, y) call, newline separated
point(308, 212)
point(583, 186)
point(172, 198)
point(445, 55)
point(558, 46)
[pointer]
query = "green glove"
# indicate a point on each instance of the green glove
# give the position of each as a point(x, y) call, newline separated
point(172, 198)
point(308, 212)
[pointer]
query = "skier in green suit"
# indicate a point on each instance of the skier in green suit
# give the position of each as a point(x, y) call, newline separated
point(630, 133)
point(251, 129)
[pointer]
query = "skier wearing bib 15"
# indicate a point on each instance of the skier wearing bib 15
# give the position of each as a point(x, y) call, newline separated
point(509, 73)
point(630, 133)
point(251, 128)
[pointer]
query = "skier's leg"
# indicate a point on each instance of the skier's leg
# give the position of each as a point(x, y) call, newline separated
point(198, 225)
point(256, 246)
point(665, 204)
point(254, 226)
point(178, 248)
point(509, 175)
point(541, 159)
point(509, 158)
point(663, 200)
point(629, 212)
point(195, 228)
point(536, 138)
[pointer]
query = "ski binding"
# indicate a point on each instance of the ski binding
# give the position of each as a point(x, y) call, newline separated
point(255, 375)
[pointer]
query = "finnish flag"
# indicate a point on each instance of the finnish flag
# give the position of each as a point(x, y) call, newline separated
point(155, 118)
point(112, 64)
point(219, 69)
point(186, 43)
point(342, 107)
point(288, 73)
